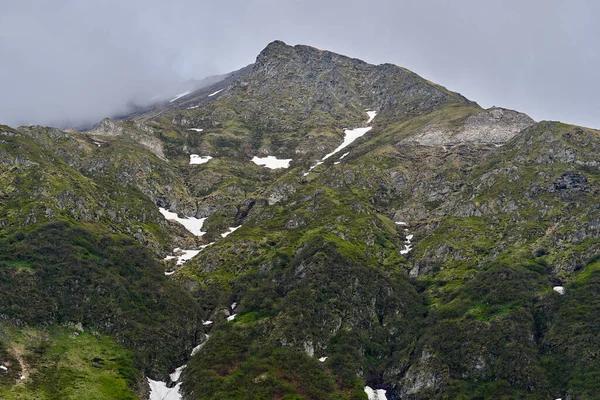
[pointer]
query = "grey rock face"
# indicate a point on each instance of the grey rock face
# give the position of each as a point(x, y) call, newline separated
point(494, 125)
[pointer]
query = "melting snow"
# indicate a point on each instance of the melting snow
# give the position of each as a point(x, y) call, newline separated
point(212, 94)
point(180, 95)
point(167, 258)
point(192, 224)
point(377, 394)
point(407, 242)
point(313, 167)
point(175, 375)
point(3, 367)
point(371, 114)
point(196, 159)
point(344, 155)
point(231, 230)
point(206, 323)
point(350, 135)
point(231, 317)
point(559, 289)
point(196, 349)
point(186, 255)
point(160, 391)
point(272, 162)
point(196, 129)
point(323, 359)
point(168, 273)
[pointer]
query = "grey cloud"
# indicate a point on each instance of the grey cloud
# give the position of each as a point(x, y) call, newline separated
point(76, 61)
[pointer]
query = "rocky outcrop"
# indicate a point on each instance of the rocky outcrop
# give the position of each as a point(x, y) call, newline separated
point(494, 126)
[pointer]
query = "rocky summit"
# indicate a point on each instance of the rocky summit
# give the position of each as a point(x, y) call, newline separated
point(307, 227)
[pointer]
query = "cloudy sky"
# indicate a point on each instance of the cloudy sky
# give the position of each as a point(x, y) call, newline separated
point(77, 61)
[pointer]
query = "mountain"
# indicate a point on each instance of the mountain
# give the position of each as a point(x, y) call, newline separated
point(310, 226)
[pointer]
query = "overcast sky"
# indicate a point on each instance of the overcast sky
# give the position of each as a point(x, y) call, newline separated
point(77, 61)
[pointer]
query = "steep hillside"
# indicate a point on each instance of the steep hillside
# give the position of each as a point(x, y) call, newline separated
point(348, 225)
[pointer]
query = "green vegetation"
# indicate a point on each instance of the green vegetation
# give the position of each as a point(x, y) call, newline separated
point(64, 363)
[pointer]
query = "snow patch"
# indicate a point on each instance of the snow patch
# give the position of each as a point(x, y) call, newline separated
point(272, 162)
point(175, 375)
point(559, 289)
point(180, 95)
point(313, 167)
point(192, 107)
point(350, 135)
point(371, 114)
point(196, 159)
point(195, 129)
point(160, 391)
point(344, 155)
point(233, 306)
point(3, 367)
point(231, 317)
point(169, 273)
point(192, 224)
point(167, 258)
point(377, 394)
point(185, 256)
point(408, 242)
point(212, 94)
point(206, 323)
point(231, 230)
point(196, 349)
point(323, 359)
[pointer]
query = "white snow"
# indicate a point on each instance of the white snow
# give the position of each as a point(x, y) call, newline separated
point(22, 377)
point(3, 367)
point(196, 129)
point(272, 162)
point(344, 155)
point(323, 359)
point(192, 224)
point(196, 159)
point(231, 317)
point(160, 391)
point(185, 255)
point(192, 107)
point(180, 95)
point(336, 163)
point(168, 273)
point(371, 114)
point(401, 223)
point(175, 375)
point(377, 394)
point(407, 242)
point(313, 167)
point(206, 323)
point(350, 135)
point(212, 94)
point(559, 289)
point(231, 230)
point(196, 349)
point(233, 306)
